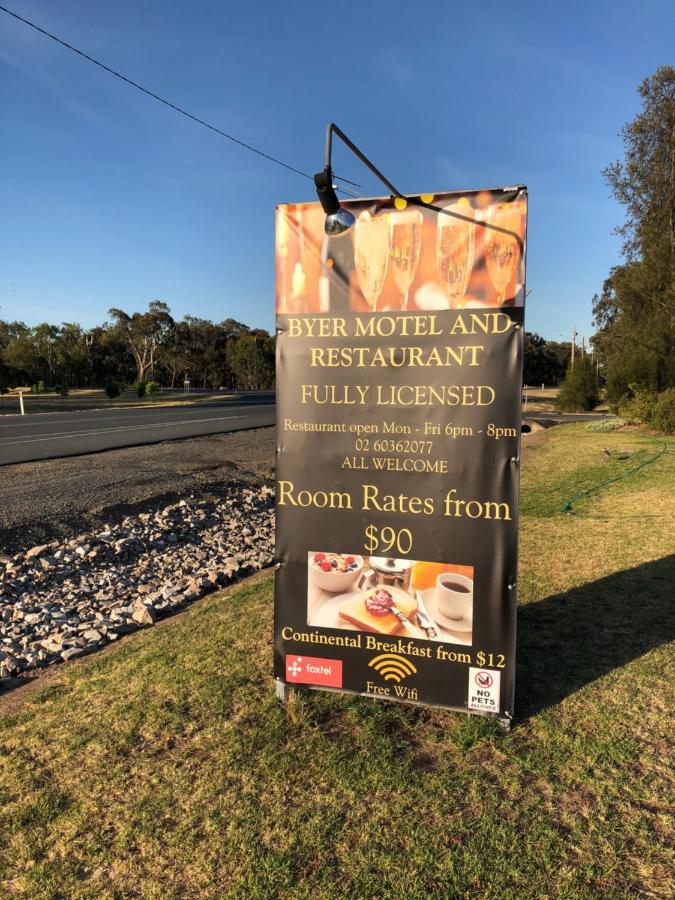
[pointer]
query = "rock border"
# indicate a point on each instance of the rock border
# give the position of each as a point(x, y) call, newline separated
point(62, 600)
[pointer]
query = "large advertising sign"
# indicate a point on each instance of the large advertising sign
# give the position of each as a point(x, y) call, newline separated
point(399, 376)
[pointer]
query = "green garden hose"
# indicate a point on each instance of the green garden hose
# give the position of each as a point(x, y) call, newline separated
point(595, 487)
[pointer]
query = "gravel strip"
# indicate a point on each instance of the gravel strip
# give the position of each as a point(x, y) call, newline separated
point(95, 547)
point(61, 600)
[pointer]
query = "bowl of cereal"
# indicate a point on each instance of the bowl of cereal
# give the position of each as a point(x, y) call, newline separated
point(335, 572)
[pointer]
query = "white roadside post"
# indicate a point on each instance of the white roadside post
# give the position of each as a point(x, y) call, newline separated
point(23, 411)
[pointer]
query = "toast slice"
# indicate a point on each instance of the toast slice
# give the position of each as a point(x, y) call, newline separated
point(355, 612)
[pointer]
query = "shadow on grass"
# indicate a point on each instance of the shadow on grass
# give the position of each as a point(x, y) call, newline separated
point(569, 640)
point(565, 642)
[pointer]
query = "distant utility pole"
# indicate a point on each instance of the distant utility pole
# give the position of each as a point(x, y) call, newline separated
point(574, 343)
point(583, 347)
point(89, 343)
point(595, 363)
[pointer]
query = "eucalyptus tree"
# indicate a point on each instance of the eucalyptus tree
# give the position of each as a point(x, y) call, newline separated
point(635, 312)
point(144, 333)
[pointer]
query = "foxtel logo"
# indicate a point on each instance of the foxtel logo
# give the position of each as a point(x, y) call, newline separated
point(313, 670)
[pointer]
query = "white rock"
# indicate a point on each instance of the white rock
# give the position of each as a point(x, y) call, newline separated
point(143, 614)
point(36, 551)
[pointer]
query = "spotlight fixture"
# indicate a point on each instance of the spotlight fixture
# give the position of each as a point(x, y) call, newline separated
point(339, 219)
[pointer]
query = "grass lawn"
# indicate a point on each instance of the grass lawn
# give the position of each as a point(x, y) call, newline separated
point(164, 767)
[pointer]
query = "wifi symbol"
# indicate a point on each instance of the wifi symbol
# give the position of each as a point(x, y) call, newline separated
point(392, 667)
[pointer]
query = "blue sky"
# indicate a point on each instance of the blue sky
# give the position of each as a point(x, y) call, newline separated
point(108, 198)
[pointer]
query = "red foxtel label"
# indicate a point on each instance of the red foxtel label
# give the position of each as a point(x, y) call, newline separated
point(314, 670)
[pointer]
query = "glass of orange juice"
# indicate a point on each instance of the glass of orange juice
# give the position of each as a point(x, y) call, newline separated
point(424, 574)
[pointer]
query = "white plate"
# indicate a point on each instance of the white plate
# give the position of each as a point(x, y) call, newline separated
point(327, 612)
point(460, 626)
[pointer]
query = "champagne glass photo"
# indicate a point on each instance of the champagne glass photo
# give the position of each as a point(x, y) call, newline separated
point(371, 254)
point(455, 248)
point(405, 243)
point(502, 253)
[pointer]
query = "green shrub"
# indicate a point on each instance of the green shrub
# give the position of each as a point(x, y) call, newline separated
point(662, 416)
point(578, 392)
point(635, 367)
point(62, 390)
point(638, 404)
point(113, 390)
point(139, 387)
point(151, 389)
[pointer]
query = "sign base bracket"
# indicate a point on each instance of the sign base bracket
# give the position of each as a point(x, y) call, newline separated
point(281, 690)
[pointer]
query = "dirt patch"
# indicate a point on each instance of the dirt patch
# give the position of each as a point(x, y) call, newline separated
point(533, 439)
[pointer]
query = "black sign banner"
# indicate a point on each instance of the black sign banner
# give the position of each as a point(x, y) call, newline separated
point(399, 379)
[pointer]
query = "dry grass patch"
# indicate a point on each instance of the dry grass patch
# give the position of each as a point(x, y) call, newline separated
point(165, 767)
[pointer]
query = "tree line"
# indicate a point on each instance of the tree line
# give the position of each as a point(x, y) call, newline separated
point(635, 312)
point(136, 348)
point(151, 346)
point(544, 362)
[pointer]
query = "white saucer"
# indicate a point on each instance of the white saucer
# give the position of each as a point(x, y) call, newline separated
point(447, 624)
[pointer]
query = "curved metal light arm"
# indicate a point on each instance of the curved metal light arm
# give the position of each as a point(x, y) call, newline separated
point(334, 129)
point(329, 201)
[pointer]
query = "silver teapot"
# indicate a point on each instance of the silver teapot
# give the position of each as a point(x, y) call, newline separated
point(387, 571)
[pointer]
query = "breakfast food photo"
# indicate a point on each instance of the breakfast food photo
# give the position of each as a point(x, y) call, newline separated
point(384, 595)
point(334, 572)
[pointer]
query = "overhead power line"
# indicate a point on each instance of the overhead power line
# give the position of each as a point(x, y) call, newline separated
point(168, 103)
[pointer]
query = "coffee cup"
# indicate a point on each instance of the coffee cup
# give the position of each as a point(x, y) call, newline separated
point(454, 595)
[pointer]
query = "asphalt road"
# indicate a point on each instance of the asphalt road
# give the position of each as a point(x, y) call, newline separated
point(51, 435)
